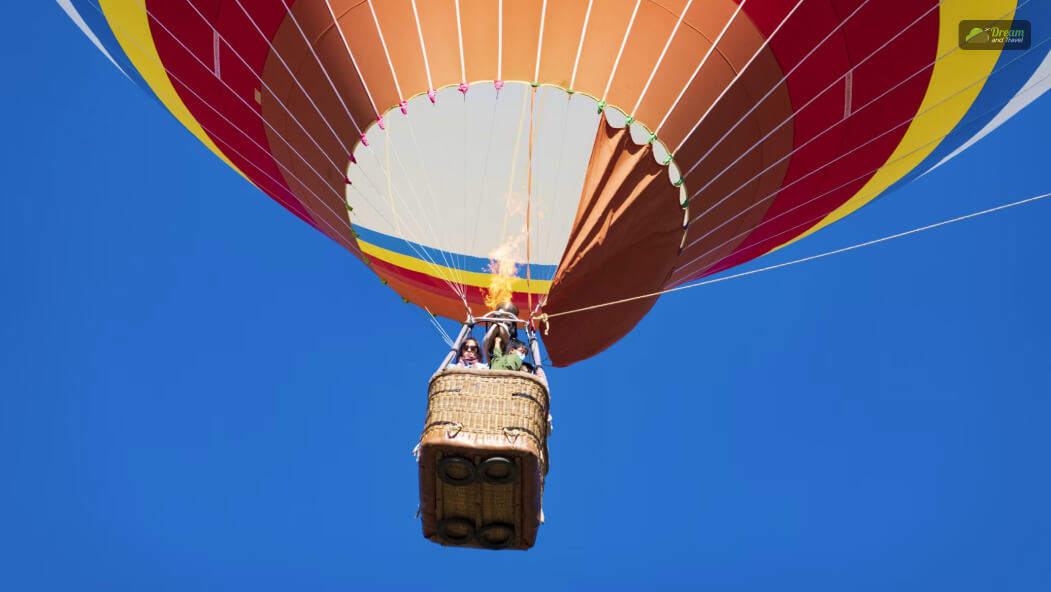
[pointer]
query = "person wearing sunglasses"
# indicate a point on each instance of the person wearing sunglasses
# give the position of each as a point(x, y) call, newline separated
point(470, 355)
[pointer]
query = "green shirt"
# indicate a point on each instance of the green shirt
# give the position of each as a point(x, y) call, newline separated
point(501, 361)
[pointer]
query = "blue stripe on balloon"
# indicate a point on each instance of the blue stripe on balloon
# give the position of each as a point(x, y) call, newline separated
point(1010, 74)
point(89, 11)
point(440, 257)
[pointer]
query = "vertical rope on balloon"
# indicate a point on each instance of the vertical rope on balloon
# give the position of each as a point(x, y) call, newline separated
point(529, 202)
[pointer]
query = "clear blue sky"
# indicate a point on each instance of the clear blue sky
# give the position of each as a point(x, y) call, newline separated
point(199, 392)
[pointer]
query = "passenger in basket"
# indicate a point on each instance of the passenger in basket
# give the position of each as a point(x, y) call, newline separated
point(514, 359)
point(469, 353)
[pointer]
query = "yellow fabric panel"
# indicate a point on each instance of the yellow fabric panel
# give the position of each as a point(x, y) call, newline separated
point(130, 25)
point(955, 71)
point(458, 276)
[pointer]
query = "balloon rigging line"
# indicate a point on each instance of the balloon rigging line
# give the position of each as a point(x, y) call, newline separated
point(783, 78)
point(441, 332)
point(379, 117)
point(317, 59)
point(537, 194)
point(226, 119)
point(558, 170)
point(412, 233)
point(423, 46)
point(514, 166)
point(385, 168)
point(852, 114)
point(438, 327)
point(485, 171)
point(737, 76)
point(463, 154)
point(419, 203)
point(813, 99)
point(500, 40)
point(402, 164)
point(845, 184)
point(284, 107)
point(429, 185)
point(620, 52)
point(580, 46)
point(845, 154)
point(459, 36)
point(864, 175)
point(704, 61)
point(529, 197)
point(244, 101)
point(660, 59)
point(277, 184)
point(782, 81)
point(386, 52)
point(540, 41)
point(339, 197)
point(804, 259)
point(353, 62)
point(807, 104)
point(295, 79)
point(449, 280)
point(837, 124)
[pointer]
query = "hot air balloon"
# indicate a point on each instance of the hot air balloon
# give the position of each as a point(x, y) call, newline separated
point(565, 155)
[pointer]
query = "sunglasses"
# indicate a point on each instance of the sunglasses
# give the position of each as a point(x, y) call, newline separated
point(468, 348)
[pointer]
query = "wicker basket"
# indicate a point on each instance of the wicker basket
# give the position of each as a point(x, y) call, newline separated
point(483, 457)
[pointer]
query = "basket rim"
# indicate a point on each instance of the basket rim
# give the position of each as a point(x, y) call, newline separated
point(485, 372)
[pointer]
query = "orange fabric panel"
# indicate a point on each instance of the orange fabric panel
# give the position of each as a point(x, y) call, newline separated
point(479, 20)
point(403, 43)
point(653, 25)
point(606, 28)
point(521, 36)
point(691, 42)
point(307, 169)
point(624, 242)
point(364, 41)
point(565, 20)
point(321, 30)
point(737, 46)
point(438, 23)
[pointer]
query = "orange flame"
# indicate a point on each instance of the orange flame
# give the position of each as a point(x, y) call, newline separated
point(502, 269)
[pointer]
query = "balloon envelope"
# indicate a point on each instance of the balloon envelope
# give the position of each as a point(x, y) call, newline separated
point(565, 154)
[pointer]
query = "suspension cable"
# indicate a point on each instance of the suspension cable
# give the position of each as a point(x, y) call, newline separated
point(803, 260)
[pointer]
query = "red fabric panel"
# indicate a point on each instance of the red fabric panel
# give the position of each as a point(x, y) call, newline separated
point(873, 26)
point(191, 66)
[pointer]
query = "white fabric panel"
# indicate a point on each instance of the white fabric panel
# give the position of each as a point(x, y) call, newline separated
point(454, 175)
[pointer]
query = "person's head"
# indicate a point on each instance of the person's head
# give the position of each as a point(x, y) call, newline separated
point(469, 351)
point(517, 347)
